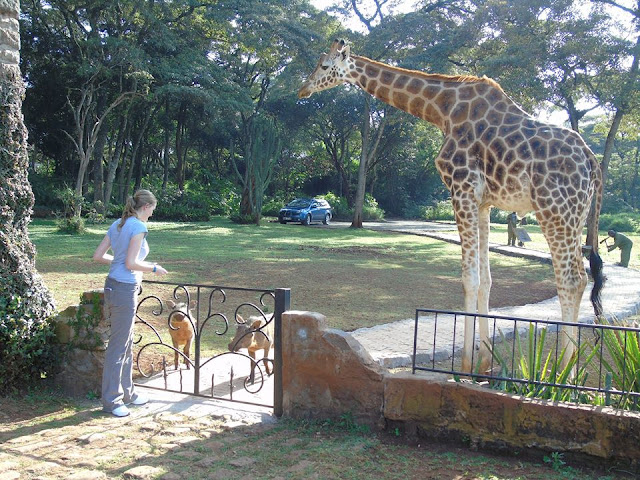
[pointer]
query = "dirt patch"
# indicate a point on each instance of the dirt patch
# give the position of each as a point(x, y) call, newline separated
point(75, 440)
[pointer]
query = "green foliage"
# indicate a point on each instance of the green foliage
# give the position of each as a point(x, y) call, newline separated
point(341, 210)
point(272, 206)
point(262, 145)
point(538, 370)
point(71, 202)
point(71, 225)
point(94, 212)
point(623, 362)
point(442, 210)
point(195, 203)
point(339, 206)
point(370, 210)
point(28, 350)
point(84, 325)
point(620, 222)
point(69, 220)
point(46, 190)
point(555, 460)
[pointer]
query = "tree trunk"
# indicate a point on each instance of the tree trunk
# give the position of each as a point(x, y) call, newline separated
point(369, 148)
point(98, 155)
point(114, 160)
point(628, 89)
point(180, 147)
point(165, 150)
point(18, 275)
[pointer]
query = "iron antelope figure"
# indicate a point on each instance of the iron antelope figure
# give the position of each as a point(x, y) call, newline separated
point(494, 154)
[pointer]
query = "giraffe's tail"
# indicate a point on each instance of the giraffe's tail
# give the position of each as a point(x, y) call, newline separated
point(595, 263)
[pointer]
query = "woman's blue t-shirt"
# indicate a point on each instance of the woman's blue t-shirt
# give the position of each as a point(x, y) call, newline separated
point(120, 239)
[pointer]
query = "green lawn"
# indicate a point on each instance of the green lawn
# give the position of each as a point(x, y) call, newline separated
point(355, 277)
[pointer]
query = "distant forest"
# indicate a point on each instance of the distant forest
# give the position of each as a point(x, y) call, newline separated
point(196, 100)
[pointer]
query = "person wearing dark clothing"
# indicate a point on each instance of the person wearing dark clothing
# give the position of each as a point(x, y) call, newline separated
point(512, 222)
point(622, 242)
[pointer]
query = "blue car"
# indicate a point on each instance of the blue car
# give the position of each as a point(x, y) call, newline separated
point(305, 211)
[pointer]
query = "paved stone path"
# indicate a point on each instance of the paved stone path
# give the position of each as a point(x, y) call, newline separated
point(172, 433)
point(392, 344)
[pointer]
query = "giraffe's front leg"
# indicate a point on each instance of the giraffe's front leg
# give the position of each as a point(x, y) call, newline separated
point(467, 220)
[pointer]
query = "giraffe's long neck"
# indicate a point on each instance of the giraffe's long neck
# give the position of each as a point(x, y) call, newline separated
point(434, 98)
point(403, 89)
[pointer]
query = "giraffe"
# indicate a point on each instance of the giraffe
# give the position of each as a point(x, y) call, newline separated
point(493, 154)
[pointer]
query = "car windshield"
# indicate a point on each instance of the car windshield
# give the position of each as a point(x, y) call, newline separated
point(299, 202)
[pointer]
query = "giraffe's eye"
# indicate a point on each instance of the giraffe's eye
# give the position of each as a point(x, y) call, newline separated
point(324, 67)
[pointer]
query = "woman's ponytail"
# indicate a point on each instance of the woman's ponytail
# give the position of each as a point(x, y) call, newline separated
point(140, 199)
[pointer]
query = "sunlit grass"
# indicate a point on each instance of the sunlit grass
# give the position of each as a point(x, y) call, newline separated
point(355, 277)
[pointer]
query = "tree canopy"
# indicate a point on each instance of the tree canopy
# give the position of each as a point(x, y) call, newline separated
point(162, 94)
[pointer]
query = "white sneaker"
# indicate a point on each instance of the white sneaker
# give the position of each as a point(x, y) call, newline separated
point(139, 400)
point(121, 411)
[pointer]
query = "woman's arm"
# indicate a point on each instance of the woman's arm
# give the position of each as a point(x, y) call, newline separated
point(101, 255)
point(132, 262)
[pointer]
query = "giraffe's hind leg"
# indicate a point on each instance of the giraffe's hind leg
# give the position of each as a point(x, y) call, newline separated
point(571, 277)
point(473, 227)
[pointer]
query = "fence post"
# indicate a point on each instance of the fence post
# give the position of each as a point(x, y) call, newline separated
point(282, 304)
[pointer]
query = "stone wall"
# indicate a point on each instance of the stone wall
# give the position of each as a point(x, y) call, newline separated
point(327, 374)
point(83, 332)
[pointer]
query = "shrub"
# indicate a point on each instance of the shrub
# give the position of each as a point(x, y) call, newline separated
point(339, 206)
point(71, 225)
point(69, 220)
point(623, 362)
point(28, 350)
point(413, 210)
point(193, 204)
point(371, 210)
point(342, 211)
point(94, 212)
point(442, 210)
point(539, 372)
point(620, 222)
point(271, 207)
point(46, 190)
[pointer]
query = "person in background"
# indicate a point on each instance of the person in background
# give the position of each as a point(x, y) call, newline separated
point(127, 239)
point(512, 222)
point(622, 242)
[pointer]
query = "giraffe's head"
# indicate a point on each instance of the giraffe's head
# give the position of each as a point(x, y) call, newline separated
point(331, 70)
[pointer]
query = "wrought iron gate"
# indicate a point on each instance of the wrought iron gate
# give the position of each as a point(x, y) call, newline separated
point(218, 323)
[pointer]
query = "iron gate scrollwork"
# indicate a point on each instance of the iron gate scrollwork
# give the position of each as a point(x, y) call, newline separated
point(193, 339)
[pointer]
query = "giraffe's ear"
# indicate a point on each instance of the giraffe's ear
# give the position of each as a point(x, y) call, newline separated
point(346, 51)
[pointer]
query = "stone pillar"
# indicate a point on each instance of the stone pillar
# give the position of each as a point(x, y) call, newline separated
point(327, 373)
point(83, 332)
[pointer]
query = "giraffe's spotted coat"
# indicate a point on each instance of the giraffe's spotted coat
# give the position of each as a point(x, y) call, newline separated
point(494, 154)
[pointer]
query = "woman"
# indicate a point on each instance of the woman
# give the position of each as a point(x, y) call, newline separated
point(126, 238)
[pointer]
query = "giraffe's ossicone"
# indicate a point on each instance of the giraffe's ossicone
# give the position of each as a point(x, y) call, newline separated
point(493, 154)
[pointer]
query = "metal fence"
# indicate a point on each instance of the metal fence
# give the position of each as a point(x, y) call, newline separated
point(527, 358)
point(193, 339)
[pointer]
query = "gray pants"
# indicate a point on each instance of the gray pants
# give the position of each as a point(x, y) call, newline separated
point(120, 300)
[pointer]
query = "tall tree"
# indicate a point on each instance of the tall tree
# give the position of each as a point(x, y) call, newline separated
point(261, 151)
point(24, 299)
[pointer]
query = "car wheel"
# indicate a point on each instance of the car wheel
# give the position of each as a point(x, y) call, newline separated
point(327, 219)
point(307, 219)
point(283, 222)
